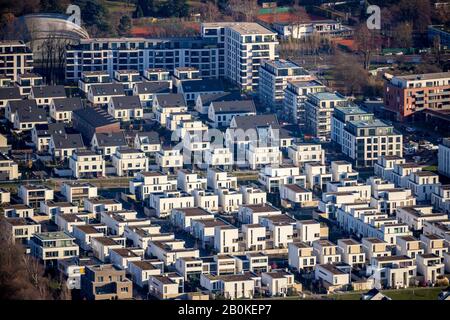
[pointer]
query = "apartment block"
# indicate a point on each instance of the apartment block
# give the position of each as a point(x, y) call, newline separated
point(16, 58)
point(406, 95)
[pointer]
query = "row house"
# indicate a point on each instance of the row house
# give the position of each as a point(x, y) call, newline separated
point(61, 109)
point(252, 213)
point(147, 90)
point(170, 251)
point(415, 216)
point(125, 108)
point(440, 198)
point(182, 218)
point(206, 199)
point(301, 257)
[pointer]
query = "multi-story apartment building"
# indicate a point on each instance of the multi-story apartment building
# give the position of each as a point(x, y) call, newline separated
point(273, 79)
point(406, 95)
point(319, 108)
point(15, 58)
point(139, 54)
point(343, 114)
point(444, 157)
point(365, 141)
point(295, 95)
point(245, 45)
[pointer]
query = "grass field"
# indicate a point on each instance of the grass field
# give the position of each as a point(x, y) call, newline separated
point(400, 294)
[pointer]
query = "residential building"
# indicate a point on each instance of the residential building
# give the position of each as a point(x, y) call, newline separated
point(126, 108)
point(406, 95)
point(9, 170)
point(129, 161)
point(444, 157)
point(306, 152)
point(48, 246)
point(300, 257)
point(295, 96)
point(365, 141)
point(61, 108)
point(105, 282)
point(273, 79)
point(319, 109)
point(87, 164)
point(16, 58)
point(245, 44)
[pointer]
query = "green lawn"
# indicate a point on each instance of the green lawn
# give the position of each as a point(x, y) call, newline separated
point(400, 294)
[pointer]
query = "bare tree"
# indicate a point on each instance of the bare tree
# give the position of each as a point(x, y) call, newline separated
point(367, 42)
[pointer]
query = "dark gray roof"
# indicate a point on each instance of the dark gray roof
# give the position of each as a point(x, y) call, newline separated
point(260, 120)
point(68, 141)
point(68, 104)
point(126, 102)
point(31, 115)
point(47, 129)
point(111, 139)
point(49, 91)
point(153, 87)
point(22, 104)
point(202, 85)
point(107, 89)
point(152, 137)
point(240, 106)
point(95, 117)
point(10, 93)
point(171, 100)
point(207, 98)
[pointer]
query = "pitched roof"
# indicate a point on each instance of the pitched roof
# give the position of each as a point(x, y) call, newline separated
point(150, 137)
point(107, 89)
point(22, 104)
point(49, 91)
point(111, 139)
point(240, 106)
point(153, 87)
point(68, 104)
point(10, 93)
point(171, 100)
point(95, 117)
point(202, 85)
point(254, 121)
point(47, 129)
point(207, 98)
point(31, 115)
point(68, 141)
point(126, 102)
